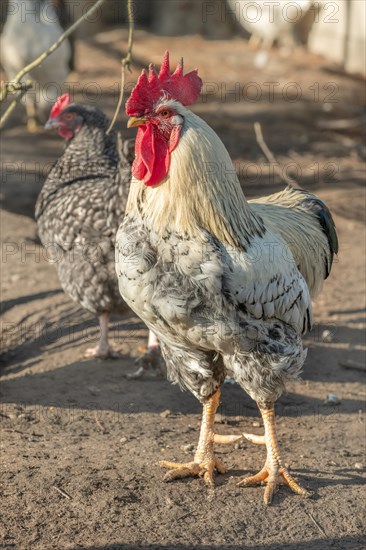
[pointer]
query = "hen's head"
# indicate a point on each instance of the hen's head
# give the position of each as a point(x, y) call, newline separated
point(66, 120)
point(153, 106)
point(69, 117)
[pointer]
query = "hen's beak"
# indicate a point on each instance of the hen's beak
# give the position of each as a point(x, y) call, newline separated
point(51, 123)
point(136, 121)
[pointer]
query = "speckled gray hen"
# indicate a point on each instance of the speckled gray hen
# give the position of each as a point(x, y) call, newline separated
point(80, 207)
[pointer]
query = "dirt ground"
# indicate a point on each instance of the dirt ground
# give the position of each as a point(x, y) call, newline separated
point(80, 443)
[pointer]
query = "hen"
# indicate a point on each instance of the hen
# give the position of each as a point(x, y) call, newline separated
point(269, 20)
point(79, 209)
point(31, 28)
point(225, 284)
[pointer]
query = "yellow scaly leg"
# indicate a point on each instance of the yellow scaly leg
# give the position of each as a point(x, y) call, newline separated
point(273, 473)
point(204, 463)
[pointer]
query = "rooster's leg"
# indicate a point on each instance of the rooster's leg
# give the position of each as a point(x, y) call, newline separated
point(102, 350)
point(273, 473)
point(150, 359)
point(204, 463)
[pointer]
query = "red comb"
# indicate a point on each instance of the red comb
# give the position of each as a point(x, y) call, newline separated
point(62, 102)
point(150, 87)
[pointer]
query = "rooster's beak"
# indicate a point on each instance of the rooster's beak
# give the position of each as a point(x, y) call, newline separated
point(136, 121)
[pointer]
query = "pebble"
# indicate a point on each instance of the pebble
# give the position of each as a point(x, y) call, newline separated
point(165, 413)
point(332, 399)
point(123, 440)
point(256, 424)
point(187, 448)
point(327, 336)
point(359, 466)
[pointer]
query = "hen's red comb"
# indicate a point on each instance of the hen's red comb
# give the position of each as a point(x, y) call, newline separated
point(150, 87)
point(62, 102)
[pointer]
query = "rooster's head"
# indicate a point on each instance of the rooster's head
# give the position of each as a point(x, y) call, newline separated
point(153, 106)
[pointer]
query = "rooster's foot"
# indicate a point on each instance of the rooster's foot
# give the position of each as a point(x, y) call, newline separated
point(101, 352)
point(273, 477)
point(273, 473)
point(204, 468)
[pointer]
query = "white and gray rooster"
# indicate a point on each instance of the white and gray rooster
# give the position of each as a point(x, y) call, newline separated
point(224, 283)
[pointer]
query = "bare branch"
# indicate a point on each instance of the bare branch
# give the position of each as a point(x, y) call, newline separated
point(12, 105)
point(7, 85)
point(125, 62)
point(271, 158)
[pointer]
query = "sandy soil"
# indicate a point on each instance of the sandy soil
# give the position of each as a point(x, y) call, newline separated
point(80, 443)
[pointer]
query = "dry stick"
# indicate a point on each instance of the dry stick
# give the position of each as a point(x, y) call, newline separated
point(271, 158)
point(62, 492)
point(316, 523)
point(7, 87)
point(125, 62)
point(12, 106)
point(99, 424)
point(352, 365)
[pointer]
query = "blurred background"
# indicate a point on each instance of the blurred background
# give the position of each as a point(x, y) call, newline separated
point(335, 29)
point(297, 68)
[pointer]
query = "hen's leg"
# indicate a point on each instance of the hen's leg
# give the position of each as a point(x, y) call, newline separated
point(102, 350)
point(150, 359)
point(273, 473)
point(254, 41)
point(204, 463)
point(32, 126)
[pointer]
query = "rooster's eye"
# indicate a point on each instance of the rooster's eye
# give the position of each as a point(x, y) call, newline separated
point(165, 113)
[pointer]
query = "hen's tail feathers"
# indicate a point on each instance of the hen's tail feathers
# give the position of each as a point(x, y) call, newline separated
point(321, 211)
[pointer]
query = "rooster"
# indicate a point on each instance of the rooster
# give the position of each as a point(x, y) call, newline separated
point(30, 29)
point(225, 284)
point(78, 213)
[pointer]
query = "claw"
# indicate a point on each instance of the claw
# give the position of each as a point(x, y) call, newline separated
point(256, 439)
point(205, 469)
point(273, 473)
point(273, 477)
point(227, 439)
point(101, 352)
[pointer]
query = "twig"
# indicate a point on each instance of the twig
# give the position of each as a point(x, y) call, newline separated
point(11, 108)
point(270, 156)
point(8, 85)
point(353, 365)
point(183, 516)
point(316, 523)
point(99, 424)
point(13, 87)
point(62, 492)
point(343, 124)
point(125, 62)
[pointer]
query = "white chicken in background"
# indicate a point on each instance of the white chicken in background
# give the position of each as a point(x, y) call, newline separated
point(269, 21)
point(30, 29)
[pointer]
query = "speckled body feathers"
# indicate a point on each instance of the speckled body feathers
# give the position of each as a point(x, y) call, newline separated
point(79, 210)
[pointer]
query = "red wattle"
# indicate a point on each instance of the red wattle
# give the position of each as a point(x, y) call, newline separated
point(65, 133)
point(152, 160)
